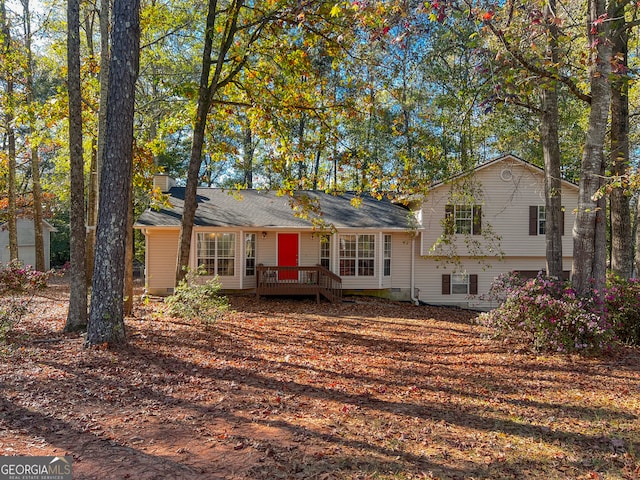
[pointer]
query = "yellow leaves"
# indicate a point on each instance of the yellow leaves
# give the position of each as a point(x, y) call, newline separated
point(335, 11)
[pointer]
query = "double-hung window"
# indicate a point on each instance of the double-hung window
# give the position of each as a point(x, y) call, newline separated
point(538, 220)
point(463, 219)
point(460, 283)
point(216, 253)
point(357, 255)
point(542, 218)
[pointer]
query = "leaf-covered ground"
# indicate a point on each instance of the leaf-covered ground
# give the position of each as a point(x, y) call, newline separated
point(287, 389)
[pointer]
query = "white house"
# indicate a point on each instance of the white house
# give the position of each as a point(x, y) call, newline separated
point(26, 242)
point(494, 223)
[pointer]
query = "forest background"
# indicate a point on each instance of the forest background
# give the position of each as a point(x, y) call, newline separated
point(372, 96)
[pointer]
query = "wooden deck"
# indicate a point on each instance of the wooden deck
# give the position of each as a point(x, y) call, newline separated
point(313, 280)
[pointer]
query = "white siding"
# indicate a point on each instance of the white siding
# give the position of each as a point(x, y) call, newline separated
point(505, 209)
point(160, 262)
point(429, 278)
point(400, 262)
point(26, 243)
point(309, 254)
point(505, 199)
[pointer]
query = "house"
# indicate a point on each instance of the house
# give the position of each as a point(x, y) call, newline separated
point(26, 242)
point(444, 247)
point(501, 209)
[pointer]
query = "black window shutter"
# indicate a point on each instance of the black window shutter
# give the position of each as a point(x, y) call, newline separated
point(562, 222)
point(473, 284)
point(533, 220)
point(477, 219)
point(446, 284)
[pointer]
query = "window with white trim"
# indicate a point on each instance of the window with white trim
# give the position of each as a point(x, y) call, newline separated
point(250, 254)
point(459, 283)
point(463, 219)
point(542, 219)
point(325, 251)
point(387, 256)
point(357, 255)
point(216, 253)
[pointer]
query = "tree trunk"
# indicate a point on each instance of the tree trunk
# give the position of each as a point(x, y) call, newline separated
point(77, 315)
point(621, 235)
point(12, 213)
point(636, 261)
point(128, 258)
point(94, 178)
point(35, 158)
point(92, 210)
point(206, 90)
point(248, 150)
point(551, 149)
point(589, 251)
point(106, 320)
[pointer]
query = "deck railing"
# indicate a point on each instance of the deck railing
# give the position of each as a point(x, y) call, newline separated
point(298, 280)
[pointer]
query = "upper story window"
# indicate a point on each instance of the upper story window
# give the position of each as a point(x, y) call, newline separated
point(216, 253)
point(542, 218)
point(463, 219)
point(538, 220)
point(357, 255)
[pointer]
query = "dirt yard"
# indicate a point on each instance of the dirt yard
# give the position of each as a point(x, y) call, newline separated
point(287, 389)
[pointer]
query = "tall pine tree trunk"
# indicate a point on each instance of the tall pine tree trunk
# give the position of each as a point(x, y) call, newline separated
point(12, 213)
point(35, 157)
point(106, 320)
point(128, 258)
point(589, 232)
point(77, 315)
point(621, 235)
point(551, 149)
point(248, 149)
point(94, 178)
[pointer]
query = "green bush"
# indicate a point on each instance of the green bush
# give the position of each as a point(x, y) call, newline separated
point(194, 299)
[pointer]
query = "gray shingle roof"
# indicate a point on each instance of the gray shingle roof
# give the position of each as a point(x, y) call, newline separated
point(265, 209)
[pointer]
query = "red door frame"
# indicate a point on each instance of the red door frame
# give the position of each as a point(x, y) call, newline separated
point(288, 248)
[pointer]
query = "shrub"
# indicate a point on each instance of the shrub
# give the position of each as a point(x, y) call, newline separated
point(197, 300)
point(547, 315)
point(622, 300)
point(16, 278)
point(18, 285)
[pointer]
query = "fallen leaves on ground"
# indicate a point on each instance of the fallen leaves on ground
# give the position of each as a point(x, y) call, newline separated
point(287, 389)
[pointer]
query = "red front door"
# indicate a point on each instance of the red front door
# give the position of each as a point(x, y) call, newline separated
point(288, 255)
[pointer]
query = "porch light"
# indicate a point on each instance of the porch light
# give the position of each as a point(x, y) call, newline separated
point(264, 234)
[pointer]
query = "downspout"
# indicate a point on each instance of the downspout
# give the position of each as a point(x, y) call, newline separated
point(242, 258)
point(412, 280)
